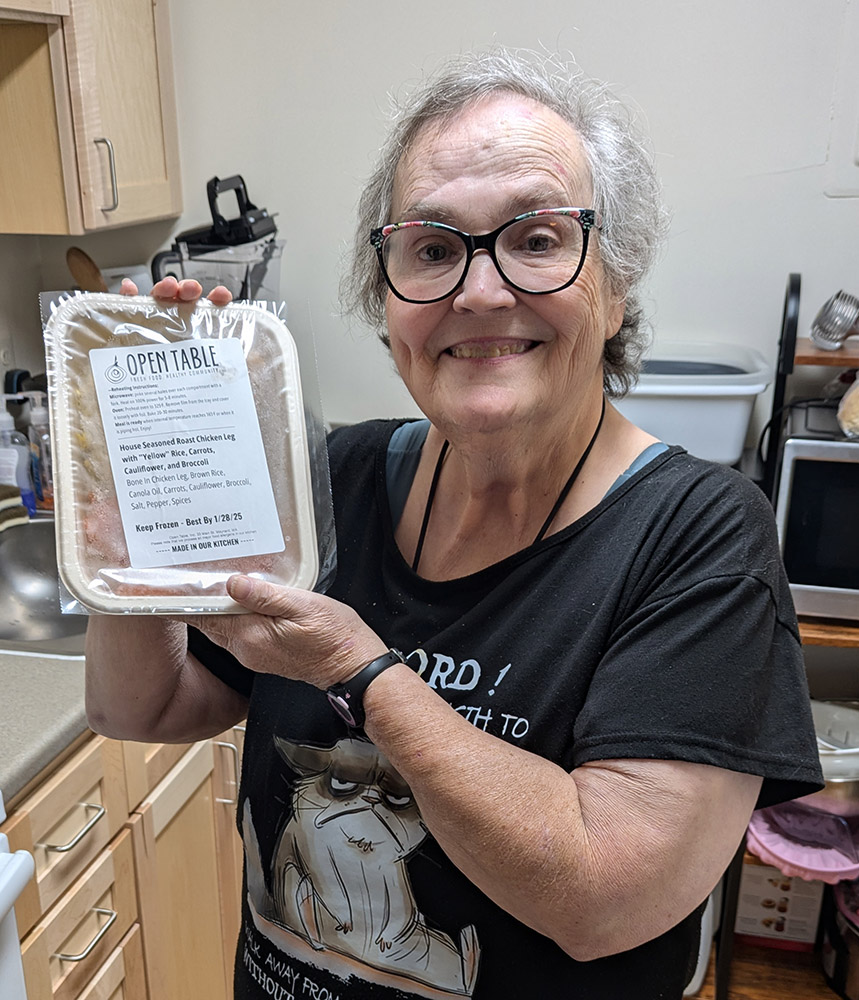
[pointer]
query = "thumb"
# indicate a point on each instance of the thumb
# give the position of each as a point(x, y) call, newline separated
point(262, 597)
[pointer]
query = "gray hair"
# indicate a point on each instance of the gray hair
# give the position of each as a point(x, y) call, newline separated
point(626, 192)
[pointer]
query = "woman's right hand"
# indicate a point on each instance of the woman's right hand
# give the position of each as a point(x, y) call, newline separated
point(170, 290)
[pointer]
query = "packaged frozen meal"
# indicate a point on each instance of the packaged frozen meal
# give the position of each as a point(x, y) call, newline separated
point(180, 452)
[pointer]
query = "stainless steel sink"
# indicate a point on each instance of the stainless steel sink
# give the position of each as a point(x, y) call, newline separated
point(30, 615)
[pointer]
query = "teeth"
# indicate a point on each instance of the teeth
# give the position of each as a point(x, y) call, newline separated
point(488, 350)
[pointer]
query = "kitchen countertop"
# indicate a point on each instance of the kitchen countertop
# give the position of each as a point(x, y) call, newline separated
point(41, 712)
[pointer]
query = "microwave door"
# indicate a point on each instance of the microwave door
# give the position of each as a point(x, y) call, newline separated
point(819, 527)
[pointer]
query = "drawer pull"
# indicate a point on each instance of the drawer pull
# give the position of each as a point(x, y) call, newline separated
point(111, 916)
point(235, 751)
point(85, 829)
point(114, 190)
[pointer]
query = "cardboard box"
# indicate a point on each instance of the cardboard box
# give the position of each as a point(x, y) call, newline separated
point(777, 910)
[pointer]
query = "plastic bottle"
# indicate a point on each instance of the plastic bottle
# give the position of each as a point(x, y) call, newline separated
point(16, 470)
point(22, 423)
point(39, 433)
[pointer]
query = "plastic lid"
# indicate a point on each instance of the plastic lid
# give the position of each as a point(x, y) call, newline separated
point(703, 365)
point(824, 863)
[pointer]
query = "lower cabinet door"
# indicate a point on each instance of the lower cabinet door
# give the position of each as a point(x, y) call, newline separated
point(122, 976)
point(229, 747)
point(145, 765)
point(176, 861)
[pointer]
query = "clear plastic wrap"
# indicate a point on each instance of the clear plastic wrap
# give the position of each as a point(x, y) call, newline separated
point(188, 446)
point(848, 410)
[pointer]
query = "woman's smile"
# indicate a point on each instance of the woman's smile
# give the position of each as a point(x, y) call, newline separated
point(490, 349)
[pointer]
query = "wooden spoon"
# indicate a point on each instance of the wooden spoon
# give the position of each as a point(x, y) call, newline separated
point(85, 271)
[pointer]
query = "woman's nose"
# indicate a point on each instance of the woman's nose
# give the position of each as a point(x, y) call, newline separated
point(484, 287)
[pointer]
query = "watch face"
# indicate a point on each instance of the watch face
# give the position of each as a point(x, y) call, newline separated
point(340, 704)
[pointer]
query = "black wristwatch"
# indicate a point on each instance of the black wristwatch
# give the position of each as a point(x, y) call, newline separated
point(347, 699)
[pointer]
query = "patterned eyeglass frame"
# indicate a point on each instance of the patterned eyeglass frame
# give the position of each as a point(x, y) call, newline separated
point(587, 218)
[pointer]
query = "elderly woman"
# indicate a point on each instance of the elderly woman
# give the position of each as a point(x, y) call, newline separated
point(513, 750)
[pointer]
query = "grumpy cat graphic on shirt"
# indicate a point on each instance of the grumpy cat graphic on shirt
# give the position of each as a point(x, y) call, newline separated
point(337, 876)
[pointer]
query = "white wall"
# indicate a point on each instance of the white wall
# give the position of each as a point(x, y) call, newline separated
point(738, 98)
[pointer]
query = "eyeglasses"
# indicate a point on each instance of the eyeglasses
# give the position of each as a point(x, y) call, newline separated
point(538, 253)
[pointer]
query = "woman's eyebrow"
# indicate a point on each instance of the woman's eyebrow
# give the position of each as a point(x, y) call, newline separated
point(542, 196)
point(427, 211)
point(535, 198)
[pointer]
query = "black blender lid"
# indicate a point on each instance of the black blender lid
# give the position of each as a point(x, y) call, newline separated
point(251, 224)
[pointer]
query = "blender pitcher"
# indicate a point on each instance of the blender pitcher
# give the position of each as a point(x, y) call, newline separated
point(242, 253)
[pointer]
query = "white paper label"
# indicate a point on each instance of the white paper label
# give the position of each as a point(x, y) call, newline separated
point(186, 452)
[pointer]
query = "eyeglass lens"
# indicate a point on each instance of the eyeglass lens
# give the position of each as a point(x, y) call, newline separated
point(426, 261)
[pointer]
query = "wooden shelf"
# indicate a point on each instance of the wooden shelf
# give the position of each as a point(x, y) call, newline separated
point(828, 633)
point(759, 973)
point(847, 356)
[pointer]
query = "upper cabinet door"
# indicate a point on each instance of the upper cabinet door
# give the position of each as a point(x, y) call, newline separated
point(120, 76)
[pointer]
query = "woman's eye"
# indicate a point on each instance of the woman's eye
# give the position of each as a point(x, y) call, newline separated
point(433, 253)
point(340, 787)
point(538, 244)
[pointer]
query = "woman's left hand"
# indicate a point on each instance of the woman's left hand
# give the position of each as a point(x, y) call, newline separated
point(293, 633)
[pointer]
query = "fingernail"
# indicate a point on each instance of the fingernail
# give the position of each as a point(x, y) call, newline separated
point(240, 587)
point(190, 290)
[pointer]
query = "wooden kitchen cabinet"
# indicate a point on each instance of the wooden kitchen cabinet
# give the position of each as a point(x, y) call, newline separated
point(88, 118)
point(164, 857)
point(178, 881)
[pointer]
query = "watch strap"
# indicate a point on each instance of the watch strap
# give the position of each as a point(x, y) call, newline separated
point(347, 699)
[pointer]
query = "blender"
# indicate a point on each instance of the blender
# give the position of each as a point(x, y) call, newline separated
point(241, 253)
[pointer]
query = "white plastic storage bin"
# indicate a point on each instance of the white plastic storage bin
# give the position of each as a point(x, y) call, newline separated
point(699, 396)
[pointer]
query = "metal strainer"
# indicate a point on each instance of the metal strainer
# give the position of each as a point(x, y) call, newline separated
point(837, 320)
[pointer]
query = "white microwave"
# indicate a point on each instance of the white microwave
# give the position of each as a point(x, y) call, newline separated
point(817, 511)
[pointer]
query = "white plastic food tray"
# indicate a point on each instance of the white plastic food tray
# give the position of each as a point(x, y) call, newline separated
point(87, 515)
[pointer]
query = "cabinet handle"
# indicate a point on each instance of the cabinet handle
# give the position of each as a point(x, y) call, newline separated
point(111, 158)
point(235, 751)
point(100, 933)
point(85, 829)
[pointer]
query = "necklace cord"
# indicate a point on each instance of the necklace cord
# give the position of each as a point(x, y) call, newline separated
point(568, 485)
point(428, 509)
point(562, 496)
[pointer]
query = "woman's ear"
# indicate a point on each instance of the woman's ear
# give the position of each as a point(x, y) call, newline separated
point(614, 319)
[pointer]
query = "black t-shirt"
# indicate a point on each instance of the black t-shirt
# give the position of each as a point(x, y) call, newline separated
point(659, 625)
